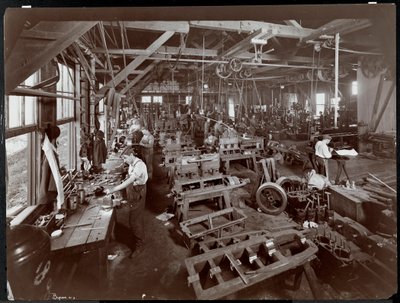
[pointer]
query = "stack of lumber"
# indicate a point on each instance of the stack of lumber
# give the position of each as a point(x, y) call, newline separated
point(381, 188)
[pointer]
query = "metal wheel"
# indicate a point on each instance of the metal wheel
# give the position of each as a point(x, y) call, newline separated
point(271, 198)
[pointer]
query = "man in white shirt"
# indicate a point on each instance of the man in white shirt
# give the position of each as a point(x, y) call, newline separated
point(135, 185)
point(322, 153)
point(147, 144)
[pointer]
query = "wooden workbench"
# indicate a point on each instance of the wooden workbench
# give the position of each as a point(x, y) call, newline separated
point(94, 237)
point(350, 202)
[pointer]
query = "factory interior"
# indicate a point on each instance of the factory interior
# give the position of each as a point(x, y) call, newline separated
point(200, 153)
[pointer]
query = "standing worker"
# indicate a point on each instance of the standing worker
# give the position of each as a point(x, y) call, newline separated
point(322, 153)
point(99, 151)
point(135, 185)
point(147, 143)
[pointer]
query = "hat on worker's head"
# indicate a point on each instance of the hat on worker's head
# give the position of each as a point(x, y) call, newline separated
point(326, 137)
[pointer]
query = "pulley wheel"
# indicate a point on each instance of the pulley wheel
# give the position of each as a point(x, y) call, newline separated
point(271, 198)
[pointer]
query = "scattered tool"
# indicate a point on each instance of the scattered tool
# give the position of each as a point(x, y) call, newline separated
point(91, 228)
point(75, 225)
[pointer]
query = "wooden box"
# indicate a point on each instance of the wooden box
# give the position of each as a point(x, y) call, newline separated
point(215, 224)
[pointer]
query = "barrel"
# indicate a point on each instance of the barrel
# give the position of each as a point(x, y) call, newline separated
point(28, 262)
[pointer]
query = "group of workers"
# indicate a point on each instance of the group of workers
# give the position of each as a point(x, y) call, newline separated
point(138, 158)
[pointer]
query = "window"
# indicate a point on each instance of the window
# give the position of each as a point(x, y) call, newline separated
point(157, 99)
point(22, 110)
point(146, 99)
point(231, 108)
point(66, 146)
point(320, 103)
point(65, 86)
point(17, 171)
point(188, 99)
point(354, 88)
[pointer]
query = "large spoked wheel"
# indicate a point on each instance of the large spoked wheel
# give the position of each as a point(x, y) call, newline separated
point(271, 198)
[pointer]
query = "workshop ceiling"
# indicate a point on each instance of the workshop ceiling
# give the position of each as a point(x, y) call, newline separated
point(130, 54)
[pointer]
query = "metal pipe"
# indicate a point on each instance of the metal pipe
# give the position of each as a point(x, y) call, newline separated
point(22, 91)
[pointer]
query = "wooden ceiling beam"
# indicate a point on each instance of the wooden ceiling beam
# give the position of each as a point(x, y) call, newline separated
point(162, 26)
point(336, 26)
point(246, 43)
point(41, 35)
point(293, 23)
point(136, 62)
point(139, 77)
point(104, 71)
point(19, 66)
point(278, 30)
point(270, 57)
point(163, 50)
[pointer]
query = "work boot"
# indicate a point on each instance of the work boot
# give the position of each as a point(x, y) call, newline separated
point(136, 252)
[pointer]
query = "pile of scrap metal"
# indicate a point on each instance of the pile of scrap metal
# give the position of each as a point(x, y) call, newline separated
point(384, 197)
point(383, 144)
point(354, 260)
point(228, 264)
point(289, 155)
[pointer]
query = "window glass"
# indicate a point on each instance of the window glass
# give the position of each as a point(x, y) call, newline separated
point(188, 99)
point(231, 108)
point(15, 111)
point(17, 167)
point(354, 88)
point(146, 99)
point(320, 103)
point(65, 86)
point(157, 99)
point(30, 110)
point(63, 145)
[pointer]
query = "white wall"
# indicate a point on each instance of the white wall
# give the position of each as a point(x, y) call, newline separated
point(367, 89)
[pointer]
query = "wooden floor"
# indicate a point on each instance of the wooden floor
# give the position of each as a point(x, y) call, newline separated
point(160, 273)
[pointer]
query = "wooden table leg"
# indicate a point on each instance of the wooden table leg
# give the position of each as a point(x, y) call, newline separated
point(316, 288)
point(227, 199)
point(103, 268)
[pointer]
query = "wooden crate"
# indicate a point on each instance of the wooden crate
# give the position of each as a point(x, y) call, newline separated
point(219, 272)
point(215, 224)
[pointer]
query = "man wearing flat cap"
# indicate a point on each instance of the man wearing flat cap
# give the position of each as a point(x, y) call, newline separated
point(322, 153)
point(135, 185)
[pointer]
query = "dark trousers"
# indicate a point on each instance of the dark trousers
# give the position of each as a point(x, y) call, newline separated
point(136, 197)
point(320, 164)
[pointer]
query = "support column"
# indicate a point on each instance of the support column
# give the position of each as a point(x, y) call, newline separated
point(92, 98)
point(336, 78)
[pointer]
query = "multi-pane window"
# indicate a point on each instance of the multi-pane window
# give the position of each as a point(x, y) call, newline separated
point(65, 86)
point(146, 99)
point(22, 110)
point(157, 99)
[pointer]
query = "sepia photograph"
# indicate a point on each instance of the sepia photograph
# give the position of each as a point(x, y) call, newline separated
point(222, 152)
